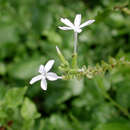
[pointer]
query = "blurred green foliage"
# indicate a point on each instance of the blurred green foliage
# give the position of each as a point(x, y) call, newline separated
point(28, 36)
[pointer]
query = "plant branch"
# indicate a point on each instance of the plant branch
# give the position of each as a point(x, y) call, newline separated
point(106, 95)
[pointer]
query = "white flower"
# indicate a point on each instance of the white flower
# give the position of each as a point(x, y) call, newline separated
point(76, 26)
point(45, 74)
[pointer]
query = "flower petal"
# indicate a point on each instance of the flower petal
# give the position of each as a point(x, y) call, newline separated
point(41, 69)
point(77, 20)
point(49, 65)
point(52, 76)
point(43, 84)
point(65, 28)
point(67, 22)
point(35, 79)
point(87, 23)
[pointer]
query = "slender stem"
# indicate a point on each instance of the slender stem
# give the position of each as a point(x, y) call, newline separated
point(76, 122)
point(106, 95)
point(75, 42)
point(74, 56)
point(125, 111)
point(63, 60)
point(74, 61)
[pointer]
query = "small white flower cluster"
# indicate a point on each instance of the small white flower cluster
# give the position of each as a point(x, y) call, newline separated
point(76, 26)
point(44, 70)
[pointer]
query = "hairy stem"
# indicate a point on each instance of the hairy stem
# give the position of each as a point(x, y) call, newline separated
point(74, 61)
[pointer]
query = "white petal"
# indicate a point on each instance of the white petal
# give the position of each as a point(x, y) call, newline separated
point(52, 76)
point(43, 84)
point(87, 23)
point(41, 69)
point(77, 20)
point(67, 22)
point(65, 28)
point(49, 65)
point(35, 79)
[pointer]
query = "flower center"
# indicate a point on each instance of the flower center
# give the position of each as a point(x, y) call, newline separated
point(44, 74)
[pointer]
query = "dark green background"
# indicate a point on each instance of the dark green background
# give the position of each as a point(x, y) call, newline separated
point(28, 36)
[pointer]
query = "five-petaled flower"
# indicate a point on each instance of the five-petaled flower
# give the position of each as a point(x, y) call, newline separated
point(45, 74)
point(76, 26)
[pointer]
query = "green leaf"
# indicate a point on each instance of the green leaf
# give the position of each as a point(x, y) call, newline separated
point(14, 97)
point(123, 95)
point(2, 69)
point(8, 33)
point(57, 122)
point(3, 113)
point(25, 69)
point(53, 37)
point(3, 91)
point(76, 86)
point(49, 20)
point(103, 113)
point(28, 124)
point(29, 110)
point(73, 88)
point(129, 4)
point(114, 126)
point(90, 97)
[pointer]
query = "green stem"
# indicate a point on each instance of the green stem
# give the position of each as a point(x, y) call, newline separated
point(62, 58)
point(74, 61)
point(75, 42)
point(117, 105)
point(106, 95)
point(76, 122)
point(74, 56)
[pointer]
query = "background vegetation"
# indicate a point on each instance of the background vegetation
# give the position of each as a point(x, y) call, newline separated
point(28, 36)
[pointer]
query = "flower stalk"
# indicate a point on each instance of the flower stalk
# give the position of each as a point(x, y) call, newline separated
point(74, 56)
point(74, 61)
point(77, 28)
point(75, 42)
point(62, 58)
